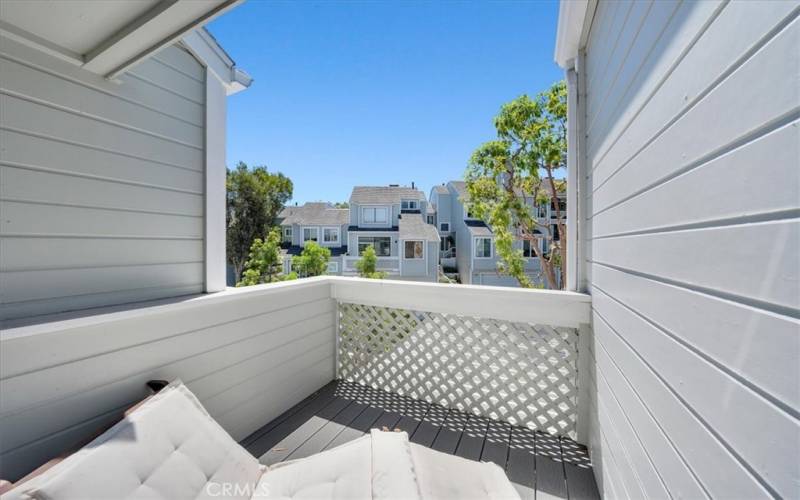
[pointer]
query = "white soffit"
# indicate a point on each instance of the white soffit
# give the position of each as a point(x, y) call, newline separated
point(105, 36)
point(571, 19)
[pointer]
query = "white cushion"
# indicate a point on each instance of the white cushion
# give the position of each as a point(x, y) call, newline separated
point(447, 476)
point(339, 473)
point(384, 465)
point(169, 448)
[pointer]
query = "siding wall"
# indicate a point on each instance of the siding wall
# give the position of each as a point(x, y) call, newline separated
point(248, 355)
point(102, 192)
point(692, 159)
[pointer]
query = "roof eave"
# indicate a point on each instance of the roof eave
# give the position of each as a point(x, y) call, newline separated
point(572, 17)
point(205, 47)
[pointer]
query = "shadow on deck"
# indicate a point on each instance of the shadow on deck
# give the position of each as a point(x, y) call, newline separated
point(539, 465)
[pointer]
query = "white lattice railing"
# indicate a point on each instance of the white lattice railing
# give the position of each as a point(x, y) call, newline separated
point(507, 354)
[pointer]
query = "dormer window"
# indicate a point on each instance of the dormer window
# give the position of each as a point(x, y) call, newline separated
point(409, 205)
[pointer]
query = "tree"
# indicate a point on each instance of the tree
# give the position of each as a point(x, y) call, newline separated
point(312, 261)
point(341, 204)
point(367, 263)
point(265, 263)
point(509, 176)
point(254, 199)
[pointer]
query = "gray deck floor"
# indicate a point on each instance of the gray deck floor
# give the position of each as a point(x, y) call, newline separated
point(540, 466)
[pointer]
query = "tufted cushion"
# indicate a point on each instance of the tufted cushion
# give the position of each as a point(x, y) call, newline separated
point(168, 448)
point(339, 473)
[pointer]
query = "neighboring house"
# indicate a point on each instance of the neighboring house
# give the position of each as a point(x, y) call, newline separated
point(319, 222)
point(113, 154)
point(390, 219)
point(474, 249)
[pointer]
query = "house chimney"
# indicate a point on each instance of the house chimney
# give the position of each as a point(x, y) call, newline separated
point(412, 185)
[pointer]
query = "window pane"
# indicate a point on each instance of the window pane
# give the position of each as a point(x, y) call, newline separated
point(310, 234)
point(380, 215)
point(413, 250)
point(483, 247)
point(383, 246)
point(330, 235)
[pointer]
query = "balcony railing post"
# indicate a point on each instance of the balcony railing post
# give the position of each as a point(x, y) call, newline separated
point(584, 381)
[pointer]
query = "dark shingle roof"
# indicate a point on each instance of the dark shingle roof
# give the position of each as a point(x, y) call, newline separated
point(317, 214)
point(297, 250)
point(478, 227)
point(384, 194)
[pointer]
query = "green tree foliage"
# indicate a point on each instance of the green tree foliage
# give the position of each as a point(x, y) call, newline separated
point(341, 204)
point(312, 261)
point(265, 263)
point(254, 199)
point(366, 265)
point(505, 175)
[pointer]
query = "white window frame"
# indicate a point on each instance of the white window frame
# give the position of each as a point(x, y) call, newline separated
point(333, 267)
point(409, 204)
point(374, 210)
point(287, 232)
point(315, 229)
point(422, 242)
point(443, 229)
point(532, 252)
point(338, 235)
point(430, 219)
point(475, 251)
point(358, 245)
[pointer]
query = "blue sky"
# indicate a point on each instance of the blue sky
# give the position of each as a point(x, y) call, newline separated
point(373, 93)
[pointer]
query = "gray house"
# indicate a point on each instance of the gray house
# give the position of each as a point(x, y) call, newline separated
point(467, 243)
point(390, 219)
point(319, 222)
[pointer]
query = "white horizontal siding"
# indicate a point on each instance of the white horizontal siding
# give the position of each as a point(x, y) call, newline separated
point(694, 218)
point(247, 354)
point(102, 192)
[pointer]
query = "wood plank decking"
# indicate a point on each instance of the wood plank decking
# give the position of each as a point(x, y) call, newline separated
point(540, 466)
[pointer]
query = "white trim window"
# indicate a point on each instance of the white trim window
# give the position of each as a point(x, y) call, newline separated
point(310, 234)
point(375, 215)
point(527, 249)
point(444, 227)
point(483, 248)
point(409, 205)
point(333, 267)
point(413, 249)
point(330, 235)
point(287, 233)
point(430, 220)
point(381, 244)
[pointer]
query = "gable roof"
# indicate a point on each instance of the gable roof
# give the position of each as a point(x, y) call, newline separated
point(478, 227)
point(413, 227)
point(316, 214)
point(384, 194)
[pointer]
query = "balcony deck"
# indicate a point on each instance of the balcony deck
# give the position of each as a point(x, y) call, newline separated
point(539, 465)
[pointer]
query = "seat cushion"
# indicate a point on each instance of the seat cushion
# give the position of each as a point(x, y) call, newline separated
point(447, 476)
point(339, 473)
point(168, 448)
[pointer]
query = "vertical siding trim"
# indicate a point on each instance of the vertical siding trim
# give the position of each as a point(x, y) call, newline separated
point(215, 173)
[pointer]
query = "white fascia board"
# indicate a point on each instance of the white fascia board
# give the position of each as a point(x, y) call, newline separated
point(206, 48)
point(161, 27)
point(571, 22)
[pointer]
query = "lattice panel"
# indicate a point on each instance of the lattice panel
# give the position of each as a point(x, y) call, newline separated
point(522, 373)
